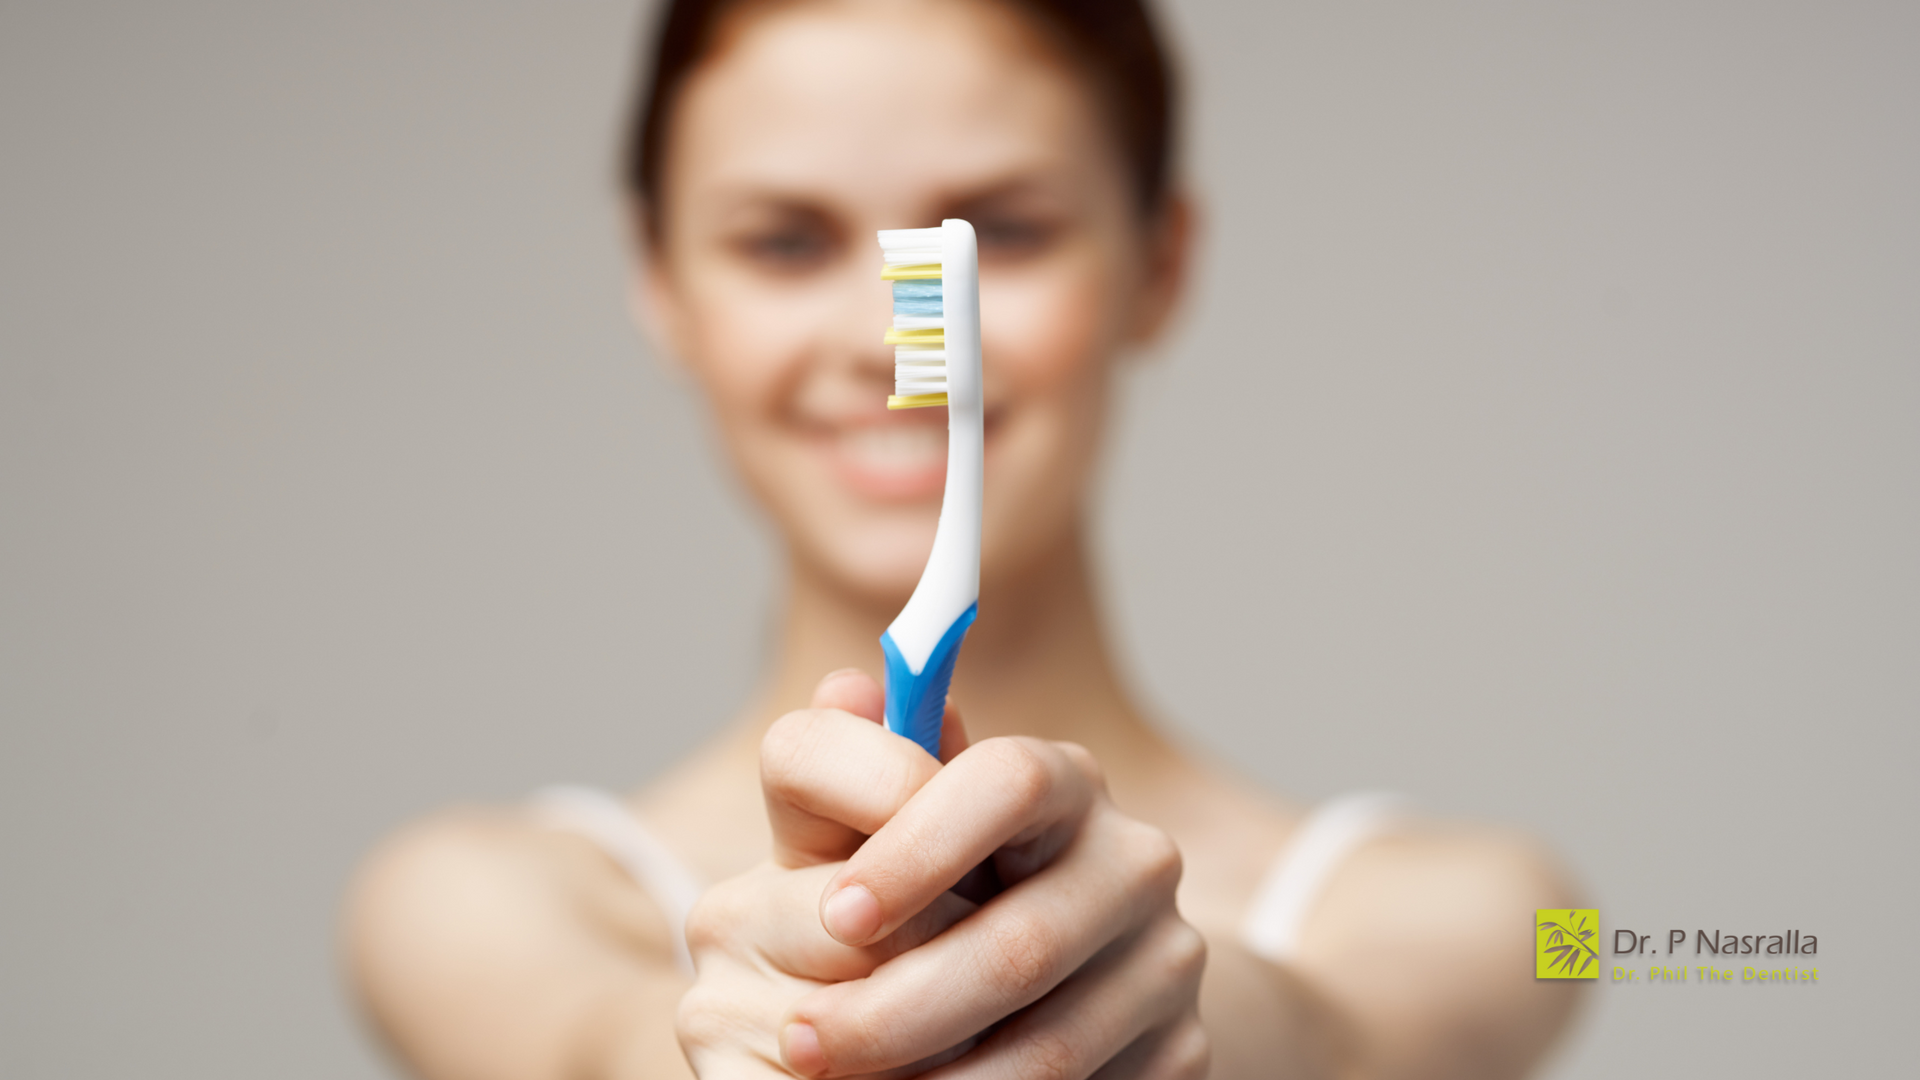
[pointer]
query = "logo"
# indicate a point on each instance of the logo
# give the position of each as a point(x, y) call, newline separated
point(1563, 943)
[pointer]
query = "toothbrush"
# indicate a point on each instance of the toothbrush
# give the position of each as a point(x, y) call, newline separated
point(936, 338)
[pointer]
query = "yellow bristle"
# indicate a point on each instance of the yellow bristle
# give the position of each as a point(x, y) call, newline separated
point(910, 273)
point(915, 401)
point(931, 336)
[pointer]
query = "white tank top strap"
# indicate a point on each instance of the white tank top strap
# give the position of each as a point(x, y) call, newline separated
point(1299, 874)
point(612, 827)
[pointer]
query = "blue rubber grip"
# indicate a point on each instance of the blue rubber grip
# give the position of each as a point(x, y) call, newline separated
point(915, 703)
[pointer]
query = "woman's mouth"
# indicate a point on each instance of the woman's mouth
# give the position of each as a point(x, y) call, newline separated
point(896, 461)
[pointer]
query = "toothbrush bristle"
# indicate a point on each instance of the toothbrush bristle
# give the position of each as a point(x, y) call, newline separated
point(919, 331)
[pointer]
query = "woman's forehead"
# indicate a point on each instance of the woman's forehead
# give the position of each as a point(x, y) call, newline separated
point(885, 100)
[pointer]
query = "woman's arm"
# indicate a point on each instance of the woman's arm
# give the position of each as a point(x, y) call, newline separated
point(484, 945)
point(1416, 963)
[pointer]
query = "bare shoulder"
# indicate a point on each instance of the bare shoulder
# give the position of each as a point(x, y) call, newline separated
point(480, 942)
point(1426, 937)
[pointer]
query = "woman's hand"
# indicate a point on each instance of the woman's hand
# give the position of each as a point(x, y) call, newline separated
point(848, 955)
point(757, 940)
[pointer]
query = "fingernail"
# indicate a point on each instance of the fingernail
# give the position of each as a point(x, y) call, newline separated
point(801, 1047)
point(852, 915)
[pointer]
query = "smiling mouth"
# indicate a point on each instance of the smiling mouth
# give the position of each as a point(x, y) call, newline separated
point(896, 461)
point(901, 448)
point(892, 462)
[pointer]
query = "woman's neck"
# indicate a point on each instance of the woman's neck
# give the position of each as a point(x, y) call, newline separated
point(1035, 663)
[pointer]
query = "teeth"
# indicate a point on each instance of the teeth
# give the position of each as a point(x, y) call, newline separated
point(896, 446)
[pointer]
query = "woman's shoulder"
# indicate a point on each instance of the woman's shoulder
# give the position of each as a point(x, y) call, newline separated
point(485, 881)
point(1389, 893)
point(471, 880)
point(1431, 907)
point(519, 862)
point(453, 922)
point(1466, 877)
point(1383, 848)
point(1391, 914)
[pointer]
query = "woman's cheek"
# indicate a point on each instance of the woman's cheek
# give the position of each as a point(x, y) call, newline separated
point(746, 359)
point(1040, 337)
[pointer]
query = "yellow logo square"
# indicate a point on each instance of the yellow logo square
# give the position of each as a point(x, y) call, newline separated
point(1565, 943)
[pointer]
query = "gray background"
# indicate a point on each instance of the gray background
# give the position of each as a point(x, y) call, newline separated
point(1541, 442)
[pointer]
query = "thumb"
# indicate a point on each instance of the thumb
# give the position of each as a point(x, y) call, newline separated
point(852, 690)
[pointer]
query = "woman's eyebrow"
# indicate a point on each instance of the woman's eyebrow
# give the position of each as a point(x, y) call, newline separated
point(730, 206)
point(1018, 191)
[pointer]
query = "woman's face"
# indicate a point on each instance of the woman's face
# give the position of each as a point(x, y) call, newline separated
point(811, 126)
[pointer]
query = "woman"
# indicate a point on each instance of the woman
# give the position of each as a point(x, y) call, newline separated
point(1136, 912)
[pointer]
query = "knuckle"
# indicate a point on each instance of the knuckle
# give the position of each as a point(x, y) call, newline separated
point(714, 917)
point(700, 1019)
point(784, 746)
point(1156, 858)
point(853, 1035)
point(1023, 957)
point(1186, 953)
point(1191, 1051)
point(1023, 772)
point(1084, 761)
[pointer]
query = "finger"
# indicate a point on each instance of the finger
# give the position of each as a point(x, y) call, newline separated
point(853, 691)
point(801, 1055)
point(1117, 877)
point(1178, 1051)
point(1103, 1013)
point(730, 1017)
point(778, 905)
point(1003, 793)
point(830, 779)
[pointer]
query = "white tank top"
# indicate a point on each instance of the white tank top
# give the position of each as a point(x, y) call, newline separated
point(1271, 928)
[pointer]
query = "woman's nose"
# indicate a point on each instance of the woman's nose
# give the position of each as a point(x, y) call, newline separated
point(867, 314)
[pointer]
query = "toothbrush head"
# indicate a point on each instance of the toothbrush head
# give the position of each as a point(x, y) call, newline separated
point(918, 335)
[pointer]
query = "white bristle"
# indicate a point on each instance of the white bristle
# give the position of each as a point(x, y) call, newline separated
point(910, 247)
point(918, 369)
point(918, 322)
point(911, 238)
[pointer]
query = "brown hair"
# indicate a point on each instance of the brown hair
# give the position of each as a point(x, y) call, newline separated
point(1114, 42)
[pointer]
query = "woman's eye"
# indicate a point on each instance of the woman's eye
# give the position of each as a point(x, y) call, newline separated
point(1011, 238)
point(787, 250)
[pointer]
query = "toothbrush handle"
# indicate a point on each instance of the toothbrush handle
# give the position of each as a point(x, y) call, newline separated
point(915, 703)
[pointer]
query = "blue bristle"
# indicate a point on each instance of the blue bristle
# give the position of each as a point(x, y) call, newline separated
point(920, 297)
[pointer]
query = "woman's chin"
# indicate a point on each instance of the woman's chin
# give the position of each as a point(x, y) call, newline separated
point(876, 569)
